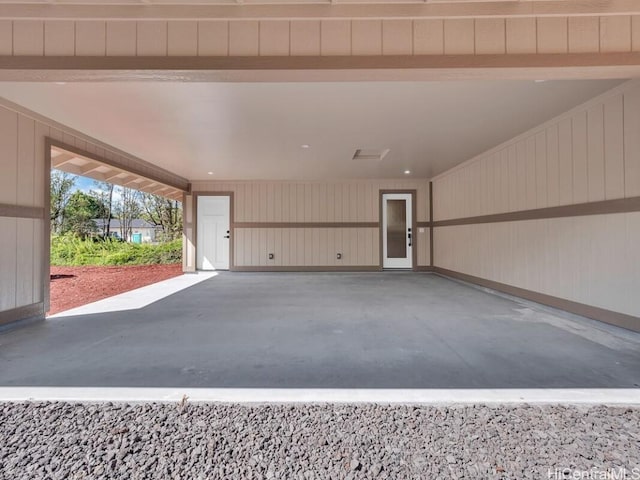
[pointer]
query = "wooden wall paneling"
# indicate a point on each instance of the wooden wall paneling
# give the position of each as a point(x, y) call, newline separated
point(37, 275)
point(459, 36)
point(366, 37)
point(541, 169)
point(635, 33)
point(305, 37)
point(530, 172)
point(595, 153)
point(9, 158)
point(580, 175)
point(615, 33)
point(244, 38)
point(121, 38)
point(633, 256)
point(91, 38)
point(614, 147)
point(335, 37)
point(553, 166)
point(565, 180)
point(521, 175)
point(397, 37)
point(632, 142)
point(428, 37)
point(24, 261)
point(490, 36)
point(59, 38)
point(521, 35)
point(151, 38)
point(182, 38)
point(8, 262)
point(584, 34)
point(552, 34)
point(25, 174)
point(6, 37)
point(213, 38)
point(28, 37)
point(513, 178)
point(274, 37)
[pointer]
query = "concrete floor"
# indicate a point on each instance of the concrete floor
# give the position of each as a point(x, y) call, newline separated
point(370, 330)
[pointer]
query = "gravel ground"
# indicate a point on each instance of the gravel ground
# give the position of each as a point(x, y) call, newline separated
point(197, 441)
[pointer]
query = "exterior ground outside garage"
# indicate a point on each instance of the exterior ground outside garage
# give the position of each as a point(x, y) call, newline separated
point(221, 441)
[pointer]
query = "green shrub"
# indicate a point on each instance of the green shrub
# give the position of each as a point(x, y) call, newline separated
point(69, 250)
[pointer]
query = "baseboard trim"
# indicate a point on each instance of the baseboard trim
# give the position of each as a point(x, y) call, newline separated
point(607, 316)
point(302, 269)
point(423, 268)
point(24, 313)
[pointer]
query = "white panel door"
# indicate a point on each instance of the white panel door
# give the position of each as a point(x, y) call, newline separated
point(213, 232)
point(397, 232)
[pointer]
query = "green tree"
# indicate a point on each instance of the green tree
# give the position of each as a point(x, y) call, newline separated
point(80, 212)
point(163, 212)
point(62, 184)
point(104, 192)
point(127, 209)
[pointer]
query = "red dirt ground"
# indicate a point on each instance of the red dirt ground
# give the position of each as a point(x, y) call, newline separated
point(75, 286)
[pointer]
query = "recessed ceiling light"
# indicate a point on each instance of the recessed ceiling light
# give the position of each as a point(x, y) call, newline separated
point(209, 173)
point(407, 172)
point(305, 145)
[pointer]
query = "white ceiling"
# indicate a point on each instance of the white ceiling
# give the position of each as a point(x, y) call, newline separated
point(255, 130)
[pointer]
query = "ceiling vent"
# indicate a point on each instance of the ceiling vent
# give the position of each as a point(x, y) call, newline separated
point(370, 154)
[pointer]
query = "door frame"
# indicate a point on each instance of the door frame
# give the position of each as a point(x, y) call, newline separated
point(414, 237)
point(195, 196)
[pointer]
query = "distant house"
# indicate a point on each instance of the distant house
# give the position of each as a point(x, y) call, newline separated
point(141, 230)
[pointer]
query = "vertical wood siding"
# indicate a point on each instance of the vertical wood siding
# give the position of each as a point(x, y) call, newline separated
point(589, 154)
point(467, 36)
point(314, 202)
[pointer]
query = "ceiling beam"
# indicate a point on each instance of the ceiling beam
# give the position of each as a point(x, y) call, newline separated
point(319, 10)
point(92, 167)
point(61, 159)
point(564, 66)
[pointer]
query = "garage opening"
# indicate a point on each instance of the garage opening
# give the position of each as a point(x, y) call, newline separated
point(111, 230)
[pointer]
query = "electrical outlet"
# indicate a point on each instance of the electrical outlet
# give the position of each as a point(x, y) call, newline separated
point(339, 256)
point(271, 256)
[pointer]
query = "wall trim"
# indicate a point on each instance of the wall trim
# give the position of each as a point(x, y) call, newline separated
point(21, 211)
point(303, 269)
point(306, 224)
point(607, 316)
point(604, 207)
point(26, 312)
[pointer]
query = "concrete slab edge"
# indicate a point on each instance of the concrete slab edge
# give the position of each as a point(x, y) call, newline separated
point(568, 396)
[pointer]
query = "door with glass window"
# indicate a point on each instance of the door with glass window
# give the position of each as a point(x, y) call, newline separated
point(397, 234)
